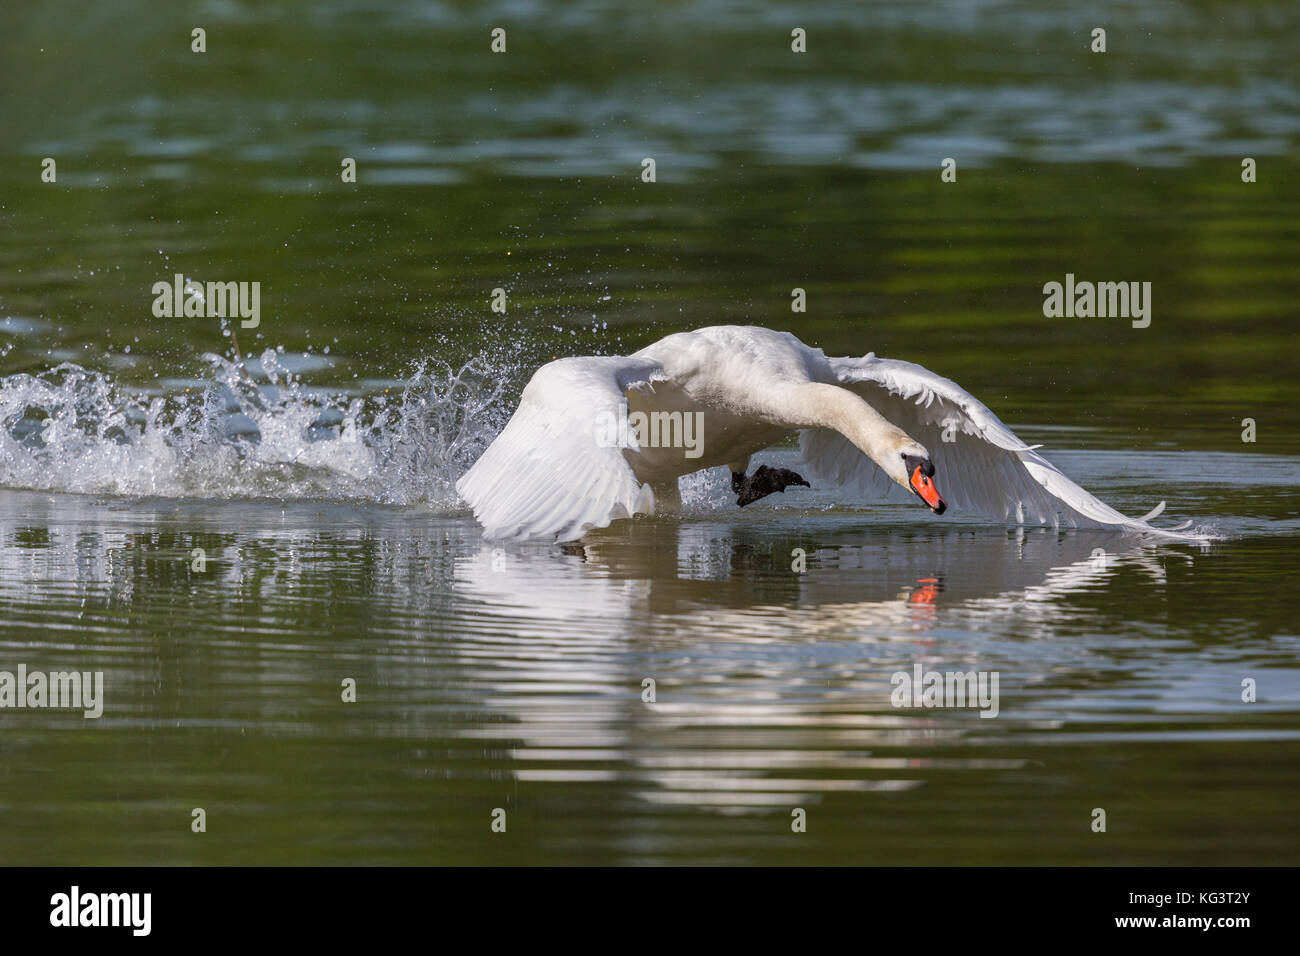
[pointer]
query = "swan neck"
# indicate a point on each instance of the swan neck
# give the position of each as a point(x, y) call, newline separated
point(837, 408)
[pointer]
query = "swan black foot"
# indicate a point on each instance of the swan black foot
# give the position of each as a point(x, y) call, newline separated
point(762, 483)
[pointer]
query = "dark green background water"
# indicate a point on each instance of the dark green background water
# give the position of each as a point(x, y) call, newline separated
point(336, 548)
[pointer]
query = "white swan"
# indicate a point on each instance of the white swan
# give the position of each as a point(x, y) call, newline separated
point(575, 455)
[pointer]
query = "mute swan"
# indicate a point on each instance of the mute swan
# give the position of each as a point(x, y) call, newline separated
point(576, 455)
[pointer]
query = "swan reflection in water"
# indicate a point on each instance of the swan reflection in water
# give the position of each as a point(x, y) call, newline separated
point(772, 686)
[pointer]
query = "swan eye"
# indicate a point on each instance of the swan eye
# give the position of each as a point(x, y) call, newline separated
point(913, 462)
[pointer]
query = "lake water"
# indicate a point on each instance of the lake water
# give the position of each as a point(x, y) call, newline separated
point(229, 550)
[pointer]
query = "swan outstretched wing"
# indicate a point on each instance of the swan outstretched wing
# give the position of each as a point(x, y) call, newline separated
point(550, 473)
point(981, 466)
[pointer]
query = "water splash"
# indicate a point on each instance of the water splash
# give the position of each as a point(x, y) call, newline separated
point(72, 429)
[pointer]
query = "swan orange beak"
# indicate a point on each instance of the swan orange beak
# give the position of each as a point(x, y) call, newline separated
point(923, 485)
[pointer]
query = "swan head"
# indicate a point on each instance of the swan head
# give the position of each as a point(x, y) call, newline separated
point(916, 474)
